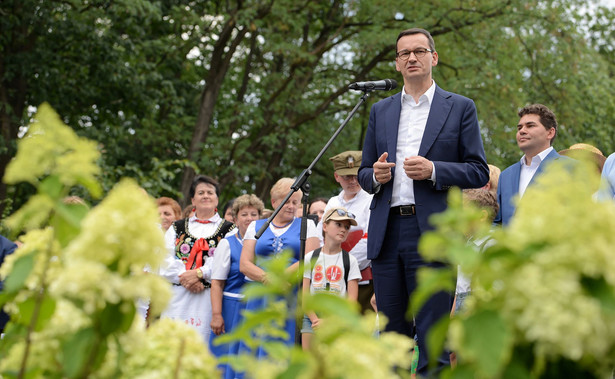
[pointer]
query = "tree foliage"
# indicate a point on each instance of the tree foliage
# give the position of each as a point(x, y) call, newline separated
point(248, 91)
point(72, 288)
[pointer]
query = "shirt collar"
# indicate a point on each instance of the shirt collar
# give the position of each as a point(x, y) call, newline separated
point(539, 157)
point(428, 95)
point(213, 219)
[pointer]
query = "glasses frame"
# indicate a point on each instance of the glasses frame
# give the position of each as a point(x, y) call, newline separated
point(410, 52)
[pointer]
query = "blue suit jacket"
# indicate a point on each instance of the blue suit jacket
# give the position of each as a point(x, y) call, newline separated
point(508, 187)
point(451, 141)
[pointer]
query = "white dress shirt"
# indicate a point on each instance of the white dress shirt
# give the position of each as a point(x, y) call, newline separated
point(527, 172)
point(412, 122)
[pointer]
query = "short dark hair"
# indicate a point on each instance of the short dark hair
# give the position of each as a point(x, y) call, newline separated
point(229, 204)
point(547, 117)
point(204, 179)
point(411, 31)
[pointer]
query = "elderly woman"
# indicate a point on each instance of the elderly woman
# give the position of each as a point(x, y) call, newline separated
point(169, 211)
point(191, 243)
point(283, 233)
point(227, 280)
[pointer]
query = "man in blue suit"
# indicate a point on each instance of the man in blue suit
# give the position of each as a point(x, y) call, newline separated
point(419, 143)
point(536, 131)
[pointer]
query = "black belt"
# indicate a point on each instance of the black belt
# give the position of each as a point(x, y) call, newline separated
point(206, 284)
point(404, 210)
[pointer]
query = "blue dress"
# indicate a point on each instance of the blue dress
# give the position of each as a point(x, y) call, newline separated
point(267, 247)
point(232, 306)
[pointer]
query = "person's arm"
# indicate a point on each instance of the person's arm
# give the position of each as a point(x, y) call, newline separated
point(498, 216)
point(353, 289)
point(246, 263)
point(172, 267)
point(454, 304)
point(307, 282)
point(469, 169)
point(370, 155)
point(217, 322)
point(306, 292)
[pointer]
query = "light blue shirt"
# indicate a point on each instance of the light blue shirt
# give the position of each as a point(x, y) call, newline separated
point(607, 188)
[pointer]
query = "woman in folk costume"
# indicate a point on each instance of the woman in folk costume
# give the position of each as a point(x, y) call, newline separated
point(227, 281)
point(283, 233)
point(191, 243)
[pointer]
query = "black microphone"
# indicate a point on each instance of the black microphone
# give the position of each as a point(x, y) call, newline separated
point(378, 85)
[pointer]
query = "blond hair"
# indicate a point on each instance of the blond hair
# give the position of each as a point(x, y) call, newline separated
point(281, 188)
point(247, 201)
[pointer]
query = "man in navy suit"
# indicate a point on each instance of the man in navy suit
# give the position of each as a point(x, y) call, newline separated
point(419, 143)
point(7, 247)
point(536, 131)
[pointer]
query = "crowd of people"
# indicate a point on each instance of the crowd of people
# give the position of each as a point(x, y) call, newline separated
point(210, 259)
point(362, 243)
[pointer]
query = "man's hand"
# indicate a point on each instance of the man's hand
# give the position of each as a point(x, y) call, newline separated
point(382, 169)
point(418, 168)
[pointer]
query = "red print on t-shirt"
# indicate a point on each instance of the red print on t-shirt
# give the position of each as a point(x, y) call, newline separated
point(334, 273)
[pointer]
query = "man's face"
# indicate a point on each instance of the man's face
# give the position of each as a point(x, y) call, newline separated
point(532, 137)
point(349, 183)
point(415, 68)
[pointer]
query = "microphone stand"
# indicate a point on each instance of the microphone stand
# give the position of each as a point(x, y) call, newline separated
point(302, 183)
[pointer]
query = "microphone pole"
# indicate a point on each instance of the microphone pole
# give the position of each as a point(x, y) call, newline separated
point(302, 183)
point(302, 179)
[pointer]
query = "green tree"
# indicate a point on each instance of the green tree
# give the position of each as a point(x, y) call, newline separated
point(248, 91)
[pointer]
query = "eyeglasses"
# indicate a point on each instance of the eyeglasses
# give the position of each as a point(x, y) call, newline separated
point(340, 212)
point(404, 55)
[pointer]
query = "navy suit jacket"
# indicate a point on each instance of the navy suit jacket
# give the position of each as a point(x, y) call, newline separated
point(508, 187)
point(451, 141)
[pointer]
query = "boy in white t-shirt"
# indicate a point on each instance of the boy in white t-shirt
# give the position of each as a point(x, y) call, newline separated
point(328, 272)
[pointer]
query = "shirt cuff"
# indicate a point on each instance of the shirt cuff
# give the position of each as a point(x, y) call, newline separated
point(206, 272)
point(433, 173)
point(375, 184)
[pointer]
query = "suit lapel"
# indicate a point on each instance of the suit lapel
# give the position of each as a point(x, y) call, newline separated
point(392, 126)
point(438, 113)
point(551, 156)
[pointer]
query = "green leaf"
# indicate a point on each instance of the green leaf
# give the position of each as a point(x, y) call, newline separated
point(67, 221)
point(436, 338)
point(45, 311)
point(430, 281)
point(19, 274)
point(601, 290)
point(116, 317)
point(52, 187)
point(76, 351)
point(487, 341)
